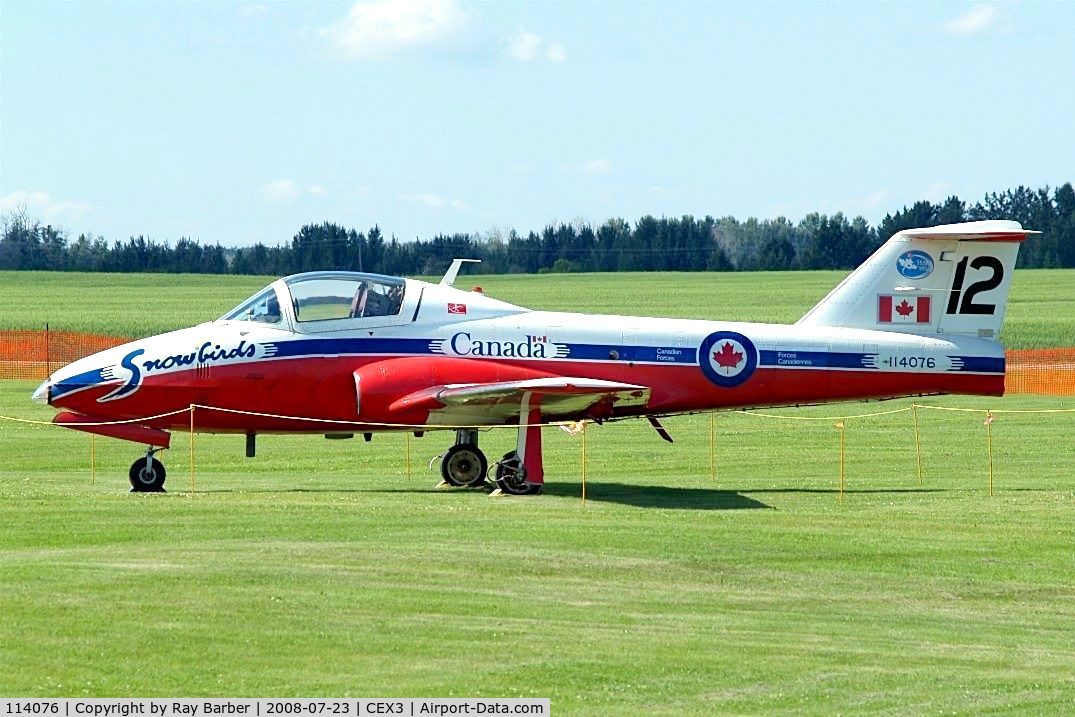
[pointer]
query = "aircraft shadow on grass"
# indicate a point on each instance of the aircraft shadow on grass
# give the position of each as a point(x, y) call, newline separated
point(641, 496)
point(849, 491)
point(657, 496)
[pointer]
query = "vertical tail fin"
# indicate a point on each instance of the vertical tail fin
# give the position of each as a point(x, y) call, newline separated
point(951, 279)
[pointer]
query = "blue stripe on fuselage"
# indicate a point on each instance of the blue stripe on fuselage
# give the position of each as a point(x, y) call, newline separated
point(978, 364)
point(814, 359)
point(647, 354)
point(86, 379)
point(603, 352)
point(335, 347)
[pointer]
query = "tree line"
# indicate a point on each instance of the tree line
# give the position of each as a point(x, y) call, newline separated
point(817, 241)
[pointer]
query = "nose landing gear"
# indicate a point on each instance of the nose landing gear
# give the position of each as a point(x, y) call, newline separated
point(147, 474)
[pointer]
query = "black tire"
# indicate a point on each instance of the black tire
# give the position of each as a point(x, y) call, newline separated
point(464, 465)
point(511, 476)
point(147, 477)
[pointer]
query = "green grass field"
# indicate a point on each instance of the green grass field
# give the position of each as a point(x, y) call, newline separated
point(322, 568)
point(1041, 312)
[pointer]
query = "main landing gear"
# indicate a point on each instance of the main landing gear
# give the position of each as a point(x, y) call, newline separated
point(147, 474)
point(464, 465)
point(519, 472)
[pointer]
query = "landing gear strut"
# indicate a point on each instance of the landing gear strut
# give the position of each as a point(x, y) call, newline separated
point(147, 474)
point(464, 465)
point(522, 472)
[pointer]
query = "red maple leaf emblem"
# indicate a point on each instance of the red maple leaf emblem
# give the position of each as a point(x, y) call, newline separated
point(727, 357)
point(904, 309)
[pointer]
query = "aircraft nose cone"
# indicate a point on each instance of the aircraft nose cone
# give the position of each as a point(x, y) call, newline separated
point(41, 395)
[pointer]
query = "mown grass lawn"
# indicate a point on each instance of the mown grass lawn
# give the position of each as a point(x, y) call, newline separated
point(324, 568)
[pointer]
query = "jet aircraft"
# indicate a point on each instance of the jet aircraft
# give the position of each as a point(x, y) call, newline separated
point(339, 353)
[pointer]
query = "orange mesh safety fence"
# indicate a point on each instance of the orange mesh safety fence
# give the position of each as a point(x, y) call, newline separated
point(1049, 372)
point(36, 354)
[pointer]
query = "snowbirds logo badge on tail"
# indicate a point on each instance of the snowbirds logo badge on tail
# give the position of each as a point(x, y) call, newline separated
point(341, 353)
point(915, 264)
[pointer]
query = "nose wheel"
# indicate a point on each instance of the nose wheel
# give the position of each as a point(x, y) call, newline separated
point(147, 474)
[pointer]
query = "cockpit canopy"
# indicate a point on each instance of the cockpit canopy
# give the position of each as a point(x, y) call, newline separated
point(324, 296)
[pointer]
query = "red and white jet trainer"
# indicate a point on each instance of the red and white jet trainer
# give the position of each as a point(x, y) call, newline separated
point(336, 352)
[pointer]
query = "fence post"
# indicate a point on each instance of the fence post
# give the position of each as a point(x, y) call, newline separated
point(843, 435)
point(713, 447)
point(48, 361)
point(917, 442)
point(989, 446)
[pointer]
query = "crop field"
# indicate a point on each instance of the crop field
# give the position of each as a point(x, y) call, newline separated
point(681, 585)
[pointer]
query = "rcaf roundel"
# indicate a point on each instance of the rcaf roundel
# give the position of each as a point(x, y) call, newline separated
point(727, 358)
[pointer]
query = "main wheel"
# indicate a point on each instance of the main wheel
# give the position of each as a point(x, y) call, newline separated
point(511, 476)
point(464, 465)
point(147, 477)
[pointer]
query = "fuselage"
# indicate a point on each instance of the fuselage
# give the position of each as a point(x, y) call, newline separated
point(346, 373)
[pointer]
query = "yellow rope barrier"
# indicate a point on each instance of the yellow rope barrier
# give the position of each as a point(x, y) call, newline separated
point(143, 419)
point(486, 426)
point(824, 418)
point(998, 410)
point(379, 424)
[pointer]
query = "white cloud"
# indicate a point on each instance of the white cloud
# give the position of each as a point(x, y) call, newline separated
point(287, 190)
point(382, 29)
point(282, 190)
point(528, 47)
point(976, 20)
point(434, 200)
point(597, 166)
point(430, 200)
point(525, 47)
point(556, 53)
point(42, 204)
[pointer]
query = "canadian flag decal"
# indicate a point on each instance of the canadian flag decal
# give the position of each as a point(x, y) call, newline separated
point(457, 308)
point(902, 309)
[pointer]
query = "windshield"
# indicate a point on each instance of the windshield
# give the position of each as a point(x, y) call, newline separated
point(263, 307)
point(322, 298)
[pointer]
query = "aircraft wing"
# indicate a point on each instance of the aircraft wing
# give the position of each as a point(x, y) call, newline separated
point(559, 396)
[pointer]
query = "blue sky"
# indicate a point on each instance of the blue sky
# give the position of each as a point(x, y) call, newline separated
point(237, 122)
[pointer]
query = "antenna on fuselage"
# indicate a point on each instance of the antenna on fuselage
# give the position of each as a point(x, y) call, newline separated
point(453, 270)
